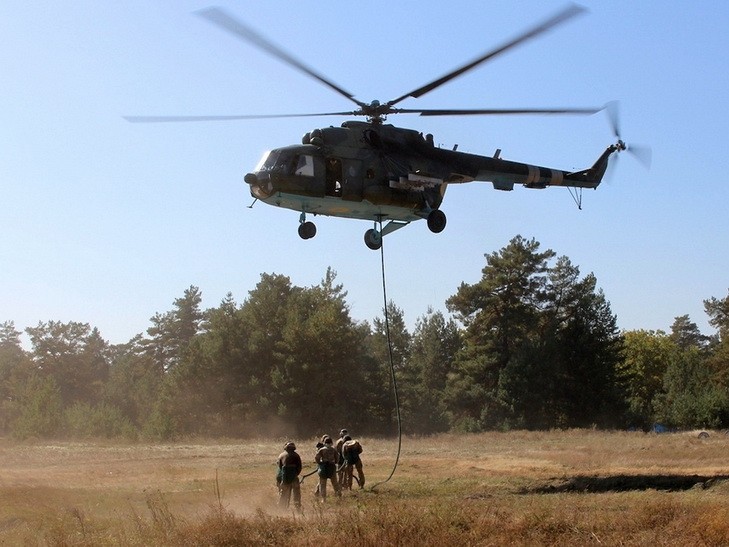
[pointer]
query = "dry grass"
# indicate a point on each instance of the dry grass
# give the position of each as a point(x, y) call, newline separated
point(535, 488)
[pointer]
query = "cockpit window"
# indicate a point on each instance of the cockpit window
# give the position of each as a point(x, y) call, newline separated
point(286, 163)
point(305, 166)
point(267, 161)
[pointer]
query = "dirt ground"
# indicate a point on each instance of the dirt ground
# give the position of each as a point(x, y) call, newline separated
point(119, 481)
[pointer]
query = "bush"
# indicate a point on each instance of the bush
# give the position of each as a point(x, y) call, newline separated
point(160, 426)
point(39, 409)
point(85, 421)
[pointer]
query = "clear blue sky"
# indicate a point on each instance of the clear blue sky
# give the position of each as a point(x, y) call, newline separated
point(107, 222)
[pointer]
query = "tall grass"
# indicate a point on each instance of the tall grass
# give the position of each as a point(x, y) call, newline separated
point(493, 489)
point(382, 520)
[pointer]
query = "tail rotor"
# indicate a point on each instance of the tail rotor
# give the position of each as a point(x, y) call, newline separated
point(640, 152)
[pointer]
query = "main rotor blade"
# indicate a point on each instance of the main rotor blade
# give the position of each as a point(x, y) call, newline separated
point(166, 119)
point(225, 21)
point(567, 13)
point(496, 111)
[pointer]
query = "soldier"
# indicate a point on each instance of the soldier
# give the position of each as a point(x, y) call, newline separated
point(350, 452)
point(340, 461)
point(289, 468)
point(326, 458)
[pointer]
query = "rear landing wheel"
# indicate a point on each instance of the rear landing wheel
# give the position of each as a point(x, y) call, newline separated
point(307, 230)
point(436, 221)
point(373, 239)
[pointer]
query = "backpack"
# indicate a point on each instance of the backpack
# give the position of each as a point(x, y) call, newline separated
point(327, 470)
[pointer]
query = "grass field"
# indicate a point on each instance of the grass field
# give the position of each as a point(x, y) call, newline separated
point(574, 487)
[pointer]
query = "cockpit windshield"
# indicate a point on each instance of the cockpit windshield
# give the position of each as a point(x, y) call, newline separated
point(267, 161)
point(286, 162)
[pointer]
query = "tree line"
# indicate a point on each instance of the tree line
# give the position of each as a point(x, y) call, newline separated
point(532, 345)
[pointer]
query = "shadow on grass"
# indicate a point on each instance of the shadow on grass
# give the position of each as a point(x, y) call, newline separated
point(624, 483)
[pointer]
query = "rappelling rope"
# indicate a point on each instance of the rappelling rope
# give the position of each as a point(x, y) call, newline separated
point(308, 475)
point(392, 364)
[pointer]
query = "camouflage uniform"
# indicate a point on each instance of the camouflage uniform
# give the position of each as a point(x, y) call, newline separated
point(289, 468)
point(350, 452)
point(326, 458)
point(340, 461)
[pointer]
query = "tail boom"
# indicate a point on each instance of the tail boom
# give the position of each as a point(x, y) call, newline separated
point(592, 177)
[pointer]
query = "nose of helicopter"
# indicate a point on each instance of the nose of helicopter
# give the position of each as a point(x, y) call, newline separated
point(261, 187)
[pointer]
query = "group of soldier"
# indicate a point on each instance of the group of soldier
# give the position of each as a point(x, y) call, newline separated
point(336, 463)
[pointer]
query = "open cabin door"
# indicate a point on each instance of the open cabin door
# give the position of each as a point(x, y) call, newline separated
point(353, 179)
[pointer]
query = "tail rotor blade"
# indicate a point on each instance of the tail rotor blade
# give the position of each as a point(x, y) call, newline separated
point(642, 153)
point(613, 112)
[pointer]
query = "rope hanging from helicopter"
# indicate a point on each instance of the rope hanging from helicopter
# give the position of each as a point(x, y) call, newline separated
point(392, 365)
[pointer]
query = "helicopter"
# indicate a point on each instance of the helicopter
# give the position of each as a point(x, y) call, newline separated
point(375, 171)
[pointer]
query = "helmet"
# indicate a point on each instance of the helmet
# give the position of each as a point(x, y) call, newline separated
point(290, 446)
point(343, 432)
point(326, 439)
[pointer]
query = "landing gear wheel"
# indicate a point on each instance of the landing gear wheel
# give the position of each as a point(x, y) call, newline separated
point(373, 239)
point(436, 221)
point(307, 230)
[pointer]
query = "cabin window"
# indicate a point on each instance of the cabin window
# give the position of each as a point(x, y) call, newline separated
point(305, 166)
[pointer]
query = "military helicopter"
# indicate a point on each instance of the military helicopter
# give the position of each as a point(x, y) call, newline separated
point(374, 171)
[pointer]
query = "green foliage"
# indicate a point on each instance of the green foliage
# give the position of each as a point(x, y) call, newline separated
point(686, 334)
point(15, 369)
point(541, 345)
point(172, 332)
point(84, 421)
point(74, 355)
point(646, 357)
point(322, 374)
point(213, 379)
point(160, 424)
point(134, 382)
point(288, 359)
point(676, 379)
point(433, 347)
point(718, 312)
point(397, 350)
point(690, 399)
point(533, 344)
point(40, 408)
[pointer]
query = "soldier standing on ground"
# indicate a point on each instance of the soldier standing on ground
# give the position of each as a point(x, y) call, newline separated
point(350, 452)
point(289, 468)
point(340, 461)
point(326, 459)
